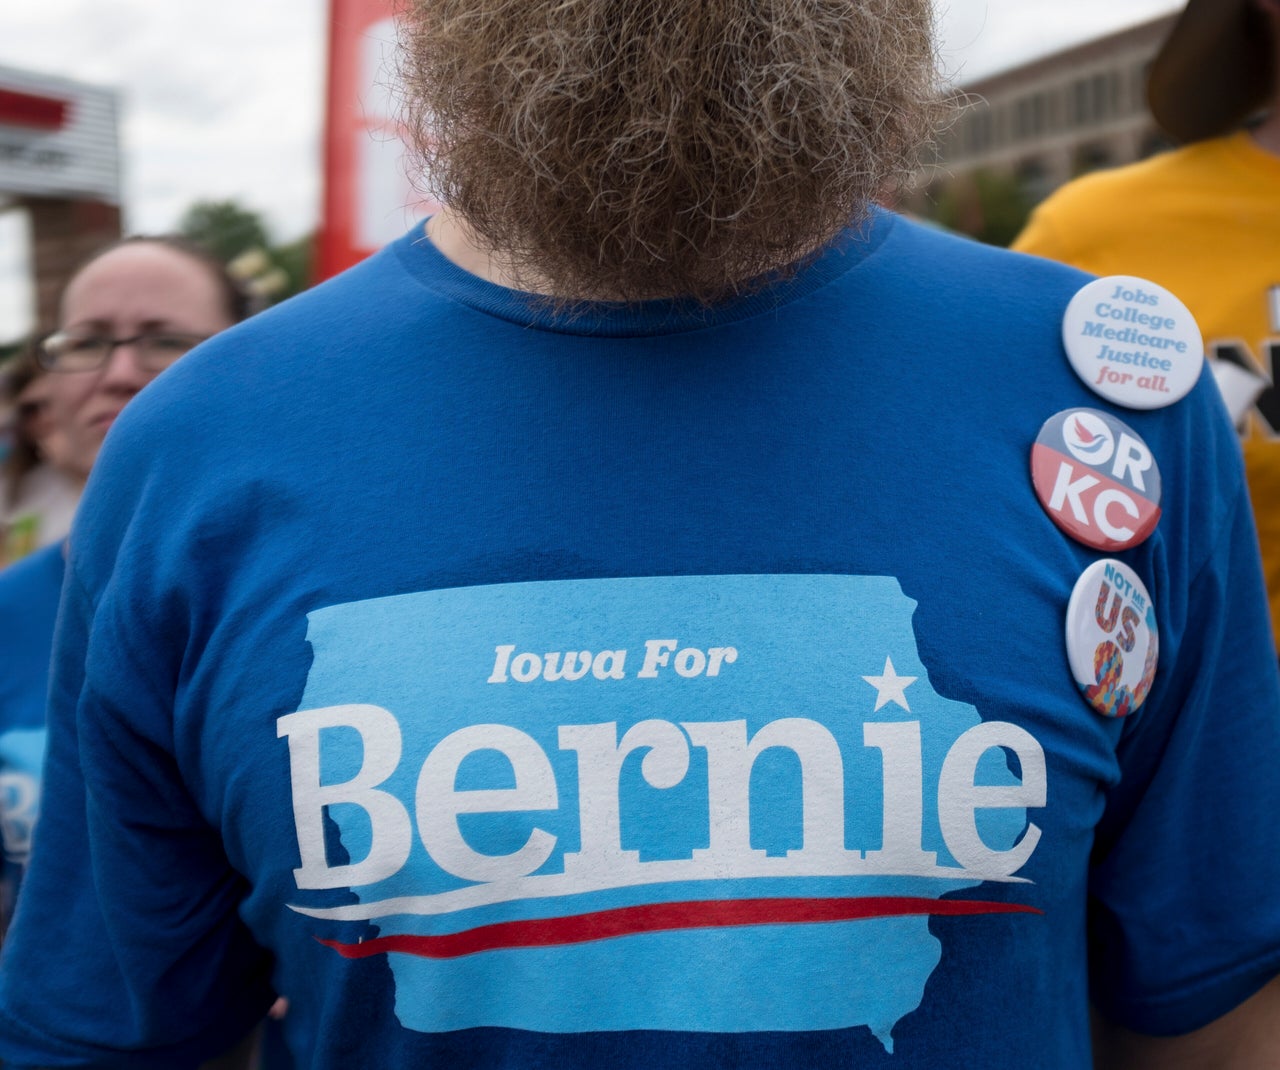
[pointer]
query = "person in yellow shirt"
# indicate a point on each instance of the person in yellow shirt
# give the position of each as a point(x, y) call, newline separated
point(1203, 221)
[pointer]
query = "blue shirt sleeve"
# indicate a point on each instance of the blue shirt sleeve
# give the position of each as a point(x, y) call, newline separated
point(156, 927)
point(1183, 909)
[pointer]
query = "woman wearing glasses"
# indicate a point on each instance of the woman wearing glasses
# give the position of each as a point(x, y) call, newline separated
point(126, 315)
point(129, 312)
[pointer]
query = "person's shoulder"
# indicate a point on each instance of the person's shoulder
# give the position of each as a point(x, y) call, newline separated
point(276, 360)
point(1098, 195)
point(41, 568)
point(1001, 300)
point(244, 405)
point(32, 582)
point(990, 274)
point(355, 300)
point(1102, 219)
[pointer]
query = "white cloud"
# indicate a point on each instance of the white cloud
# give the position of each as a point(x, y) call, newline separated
point(981, 37)
point(218, 100)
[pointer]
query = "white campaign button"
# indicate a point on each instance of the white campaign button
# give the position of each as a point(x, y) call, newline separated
point(1112, 640)
point(1132, 342)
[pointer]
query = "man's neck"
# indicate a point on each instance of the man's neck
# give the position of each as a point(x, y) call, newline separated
point(449, 233)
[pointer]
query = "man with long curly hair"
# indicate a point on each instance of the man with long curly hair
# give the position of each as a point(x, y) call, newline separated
point(665, 611)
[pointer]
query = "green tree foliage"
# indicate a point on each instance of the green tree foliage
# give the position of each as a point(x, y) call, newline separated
point(239, 237)
point(295, 259)
point(987, 205)
point(224, 228)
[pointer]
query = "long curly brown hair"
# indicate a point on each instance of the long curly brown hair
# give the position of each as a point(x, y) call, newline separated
point(629, 149)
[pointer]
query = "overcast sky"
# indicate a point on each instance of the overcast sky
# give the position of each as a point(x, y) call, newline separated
point(223, 99)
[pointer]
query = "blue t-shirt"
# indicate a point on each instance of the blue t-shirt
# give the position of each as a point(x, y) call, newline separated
point(641, 686)
point(29, 593)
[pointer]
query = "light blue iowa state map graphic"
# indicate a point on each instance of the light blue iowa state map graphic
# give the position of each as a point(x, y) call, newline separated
point(711, 804)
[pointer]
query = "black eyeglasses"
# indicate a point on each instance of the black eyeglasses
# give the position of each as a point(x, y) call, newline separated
point(72, 351)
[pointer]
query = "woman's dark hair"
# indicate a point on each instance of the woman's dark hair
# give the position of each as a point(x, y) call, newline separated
point(24, 455)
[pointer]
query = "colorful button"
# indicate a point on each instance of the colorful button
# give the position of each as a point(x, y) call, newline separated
point(1132, 342)
point(1096, 479)
point(1112, 640)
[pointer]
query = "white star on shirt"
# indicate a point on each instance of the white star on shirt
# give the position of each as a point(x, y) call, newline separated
point(891, 686)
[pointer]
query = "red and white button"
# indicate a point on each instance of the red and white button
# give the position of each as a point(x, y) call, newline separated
point(1096, 478)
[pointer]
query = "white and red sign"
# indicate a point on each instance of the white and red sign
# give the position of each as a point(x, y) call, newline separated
point(368, 198)
point(1096, 478)
point(58, 138)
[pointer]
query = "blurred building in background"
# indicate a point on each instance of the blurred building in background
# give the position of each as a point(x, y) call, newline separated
point(59, 164)
point(1025, 131)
